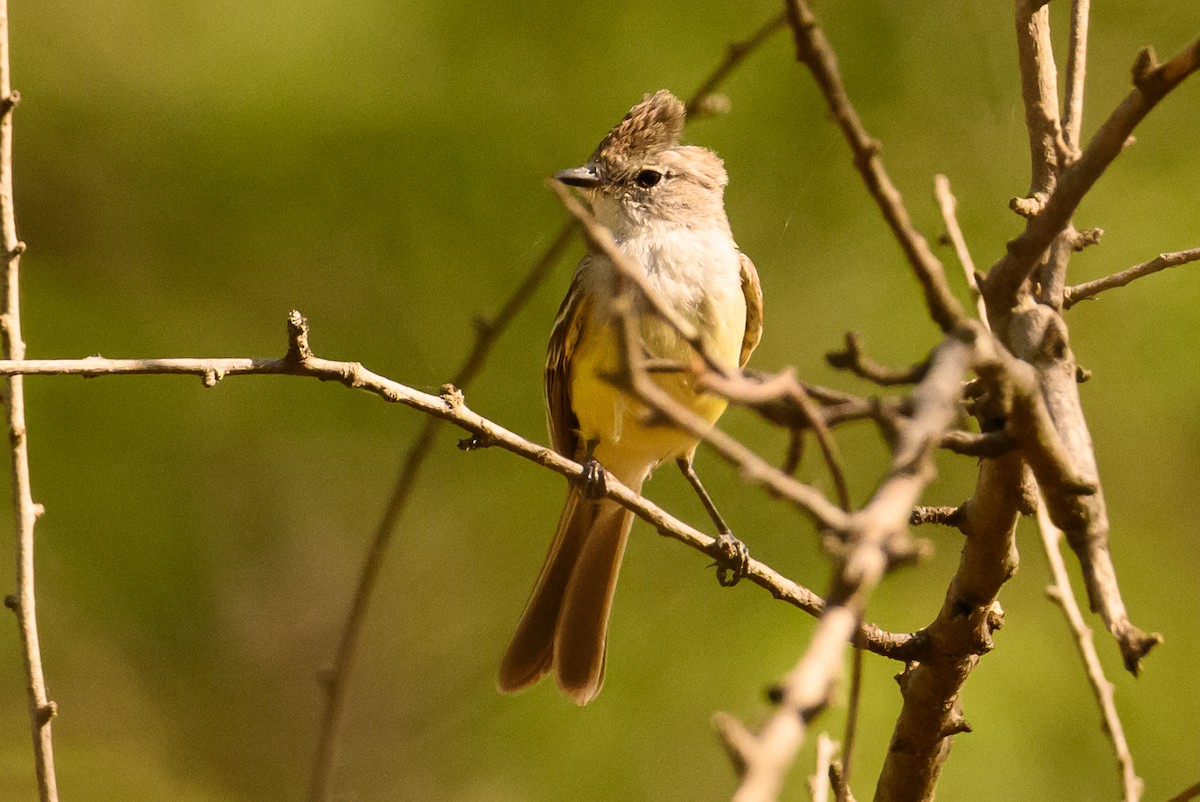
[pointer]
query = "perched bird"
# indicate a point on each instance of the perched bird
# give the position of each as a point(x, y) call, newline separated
point(664, 204)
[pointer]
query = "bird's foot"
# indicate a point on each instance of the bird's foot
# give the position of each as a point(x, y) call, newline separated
point(733, 559)
point(594, 480)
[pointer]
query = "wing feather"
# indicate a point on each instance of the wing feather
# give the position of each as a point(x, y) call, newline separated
point(752, 289)
point(560, 418)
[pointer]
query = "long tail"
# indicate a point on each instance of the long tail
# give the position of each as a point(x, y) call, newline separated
point(565, 623)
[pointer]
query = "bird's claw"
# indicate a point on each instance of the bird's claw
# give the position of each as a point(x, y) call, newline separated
point(594, 480)
point(733, 559)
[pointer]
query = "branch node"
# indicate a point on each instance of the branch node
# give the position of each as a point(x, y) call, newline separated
point(955, 726)
point(212, 376)
point(38, 510)
point(9, 103)
point(1082, 374)
point(1145, 66)
point(1030, 206)
point(476, 442)
point(944, 516)
point(453, 396)
point(1086, 239)
point(46, 712)
point(1135, 645)
point(298, 351)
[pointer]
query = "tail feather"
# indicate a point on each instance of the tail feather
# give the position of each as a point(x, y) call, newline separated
point(531, 650)
point(581, 637)
point(565, 623)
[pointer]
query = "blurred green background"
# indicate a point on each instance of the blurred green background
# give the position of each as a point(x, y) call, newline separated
point(188, 172)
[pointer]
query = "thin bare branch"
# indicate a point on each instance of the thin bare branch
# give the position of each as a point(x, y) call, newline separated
point(1062, 593)
point(1072, 122)
point(814, 51)
point(854, 360)
point(948, 205)
point(335, 680)
point(1090, 289)
point(699, 106)
point(1039, 88)
point(1152, 82)
point(1187, 794)
point(450, 407)
point(26, 512)
point(819, 782)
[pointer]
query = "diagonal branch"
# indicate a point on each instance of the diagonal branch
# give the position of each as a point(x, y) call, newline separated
point(1090, 289)
point(815, 52)
point(1064, 596)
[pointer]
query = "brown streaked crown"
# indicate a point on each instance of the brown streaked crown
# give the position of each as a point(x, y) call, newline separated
point(654, 124)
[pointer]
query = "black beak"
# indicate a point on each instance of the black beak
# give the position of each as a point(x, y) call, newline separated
point(585, 177)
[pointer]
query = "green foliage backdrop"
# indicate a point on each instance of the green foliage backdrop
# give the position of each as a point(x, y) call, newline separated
point(188, 172)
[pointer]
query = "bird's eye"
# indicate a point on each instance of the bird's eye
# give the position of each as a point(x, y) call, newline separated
point(648, 178)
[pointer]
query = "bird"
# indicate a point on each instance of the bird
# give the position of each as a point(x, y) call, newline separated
point(663, 202)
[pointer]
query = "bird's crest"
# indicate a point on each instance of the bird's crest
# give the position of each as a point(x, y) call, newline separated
point(654, 124)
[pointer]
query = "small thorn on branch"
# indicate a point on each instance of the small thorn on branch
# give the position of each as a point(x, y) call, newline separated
point(7, 104)
point(11, 602)
point(212, 377)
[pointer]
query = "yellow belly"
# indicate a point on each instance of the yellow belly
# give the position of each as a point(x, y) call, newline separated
point(625, 443)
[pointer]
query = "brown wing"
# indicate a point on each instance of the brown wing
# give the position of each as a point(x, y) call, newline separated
point(560, 418)
point(754, 308)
